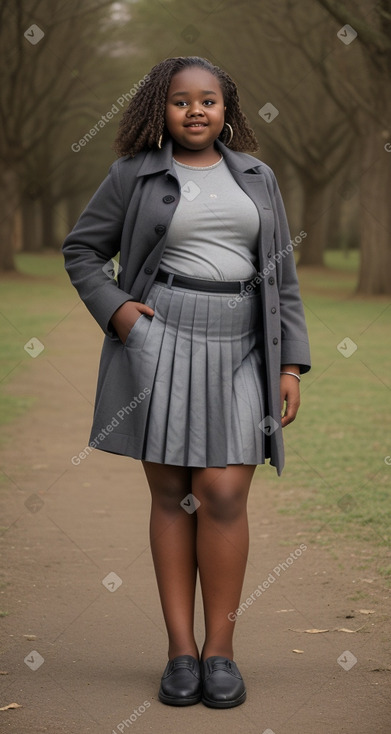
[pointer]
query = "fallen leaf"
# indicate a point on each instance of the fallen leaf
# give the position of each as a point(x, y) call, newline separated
point(334, 629)
point(3, 672)
point(30, 637)
point(298, 651)
point(310, 632)
point(11, 706)
point(343, 629)
point(366, 611)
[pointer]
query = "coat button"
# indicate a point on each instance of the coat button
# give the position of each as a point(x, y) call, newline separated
point(275, 340)
point(160, 229)
point(168, 199)
point(273, 310)
point(148, 271)
point(271, 281)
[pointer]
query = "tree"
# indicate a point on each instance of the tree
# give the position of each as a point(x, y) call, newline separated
point(45, 47)
point(370, 91)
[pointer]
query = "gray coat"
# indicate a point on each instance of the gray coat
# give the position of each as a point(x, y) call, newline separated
point(131, 212)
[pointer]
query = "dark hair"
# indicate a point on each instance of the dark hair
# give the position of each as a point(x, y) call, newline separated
point(142, 123)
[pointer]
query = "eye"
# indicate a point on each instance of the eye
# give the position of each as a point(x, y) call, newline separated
point(183, 103)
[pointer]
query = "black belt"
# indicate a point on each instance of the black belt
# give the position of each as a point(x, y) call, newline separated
point(197, 284)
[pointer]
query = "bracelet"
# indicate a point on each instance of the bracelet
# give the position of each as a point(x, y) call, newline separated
point(291, 373)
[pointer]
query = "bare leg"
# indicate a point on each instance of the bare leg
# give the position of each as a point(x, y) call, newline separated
point(222, 549)
point(173, 545)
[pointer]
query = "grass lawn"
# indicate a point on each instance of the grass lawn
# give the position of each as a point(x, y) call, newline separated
point(31, 303)
point(336, 475)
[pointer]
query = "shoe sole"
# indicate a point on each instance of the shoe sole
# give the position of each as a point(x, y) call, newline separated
point(224, 704)
point(170, 701)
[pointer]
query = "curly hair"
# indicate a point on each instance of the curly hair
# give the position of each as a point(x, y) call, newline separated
point(143, 121)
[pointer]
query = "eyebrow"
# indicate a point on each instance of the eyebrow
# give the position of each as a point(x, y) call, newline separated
point(182, 94)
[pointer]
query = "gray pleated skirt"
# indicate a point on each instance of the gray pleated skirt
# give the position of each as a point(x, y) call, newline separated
point(192, 382)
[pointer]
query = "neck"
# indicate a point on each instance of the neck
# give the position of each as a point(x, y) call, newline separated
point(205, 157)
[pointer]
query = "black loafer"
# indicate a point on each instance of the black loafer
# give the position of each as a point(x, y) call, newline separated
point(181, 683)
point(223, 686)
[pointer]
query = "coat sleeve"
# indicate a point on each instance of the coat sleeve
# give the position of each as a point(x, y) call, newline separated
point(294, 337)
point(91, 244)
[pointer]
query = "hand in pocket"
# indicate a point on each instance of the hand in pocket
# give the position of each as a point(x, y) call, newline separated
point(126, 316)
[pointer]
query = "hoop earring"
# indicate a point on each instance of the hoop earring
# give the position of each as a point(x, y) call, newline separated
point(231, 132)
point(159, 142)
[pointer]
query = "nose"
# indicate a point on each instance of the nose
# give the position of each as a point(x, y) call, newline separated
point(195, 109)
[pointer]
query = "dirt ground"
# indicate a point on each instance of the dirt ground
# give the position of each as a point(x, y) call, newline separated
point(84, 643)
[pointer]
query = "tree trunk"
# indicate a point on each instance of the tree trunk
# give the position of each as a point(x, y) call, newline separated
point(73, 210)
point(9, 200)
point(333, 232)
point(375, 215)
point(316, 213)
point(31, 230)
point(49, 238)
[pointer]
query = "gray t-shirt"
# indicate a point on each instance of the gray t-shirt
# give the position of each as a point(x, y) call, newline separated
point(213, 233)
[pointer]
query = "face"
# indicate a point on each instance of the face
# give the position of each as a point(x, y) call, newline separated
point(194, 109)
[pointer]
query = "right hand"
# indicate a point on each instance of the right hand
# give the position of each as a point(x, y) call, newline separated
point(125, 317)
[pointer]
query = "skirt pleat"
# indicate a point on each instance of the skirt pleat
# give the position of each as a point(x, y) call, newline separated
point(176, 380)
point(198, 365)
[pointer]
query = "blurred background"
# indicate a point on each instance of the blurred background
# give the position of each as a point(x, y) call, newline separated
point(322, 68)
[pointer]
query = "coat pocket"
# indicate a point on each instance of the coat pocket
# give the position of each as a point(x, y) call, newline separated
point(138, 333)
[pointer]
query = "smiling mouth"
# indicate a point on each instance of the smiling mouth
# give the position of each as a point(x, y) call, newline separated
point(196, 124)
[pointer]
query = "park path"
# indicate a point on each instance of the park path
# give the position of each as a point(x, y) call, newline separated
point(81, 656)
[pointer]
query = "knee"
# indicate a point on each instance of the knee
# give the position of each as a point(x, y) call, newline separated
point(223, 504)
point(168, 486)
point(168, 496)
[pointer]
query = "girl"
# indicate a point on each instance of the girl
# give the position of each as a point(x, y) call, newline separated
point(205, 342)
